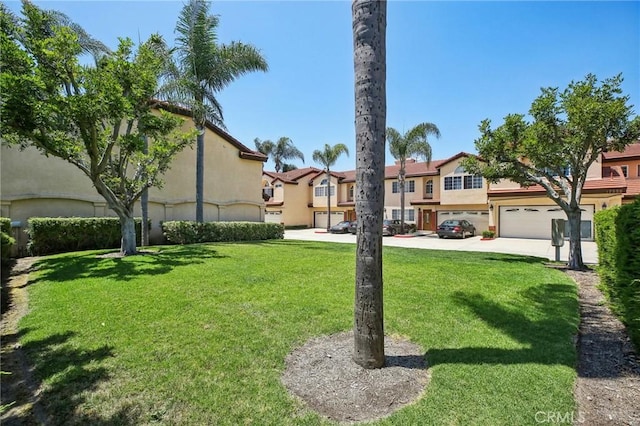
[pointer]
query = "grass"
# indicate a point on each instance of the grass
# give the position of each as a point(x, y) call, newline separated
point(198, 334)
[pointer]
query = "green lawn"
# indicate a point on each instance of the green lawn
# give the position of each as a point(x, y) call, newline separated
point(198, 334)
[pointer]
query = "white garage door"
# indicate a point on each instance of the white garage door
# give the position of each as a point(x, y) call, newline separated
point(535, 221)
point(320, 220)
point(479, 219)
point(273, 217)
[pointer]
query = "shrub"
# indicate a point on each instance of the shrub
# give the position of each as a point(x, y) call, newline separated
point(57, 235)
point(618, 239)
point(188, 232)
point(6, 240)
point(488, 234)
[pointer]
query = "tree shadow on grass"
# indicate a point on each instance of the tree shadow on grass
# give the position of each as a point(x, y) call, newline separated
point(154, 262)
point(69, 372)
point(547, 339)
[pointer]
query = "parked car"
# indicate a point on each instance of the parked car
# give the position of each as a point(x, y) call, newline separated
point(340, 228)
point(456, 228)
point(353, 227)
point(392, 227)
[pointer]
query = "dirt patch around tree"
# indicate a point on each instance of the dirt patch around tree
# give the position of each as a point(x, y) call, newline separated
point(323, 374)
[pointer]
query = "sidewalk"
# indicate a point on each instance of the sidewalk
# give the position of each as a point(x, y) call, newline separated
point(526, 247)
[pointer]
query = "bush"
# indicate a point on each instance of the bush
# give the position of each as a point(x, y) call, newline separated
point(6, 240)
point(618, 239)
point(58, 235)
point(188, 232)
point(488, 234)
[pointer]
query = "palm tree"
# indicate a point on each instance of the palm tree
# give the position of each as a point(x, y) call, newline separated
point(279, 151)
point(328, 158)
point(369, 57)
point(413, 143)
point(202, 69)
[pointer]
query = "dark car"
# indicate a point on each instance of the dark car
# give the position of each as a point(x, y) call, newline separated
point(456, 228)
point(340, 228)
point(392, 227)
point(353, 227)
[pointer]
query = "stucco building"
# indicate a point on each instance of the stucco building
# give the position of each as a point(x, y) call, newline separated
point(442, 190)
point(33, 185)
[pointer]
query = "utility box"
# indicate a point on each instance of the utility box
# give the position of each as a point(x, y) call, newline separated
point(557, 232)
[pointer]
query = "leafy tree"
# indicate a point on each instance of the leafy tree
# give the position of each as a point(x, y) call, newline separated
point(94, 117)
point(279, 151)
point(413, 143)
point(203, 68)
point(369, 57)
point(328, 157)
point(288, 167)
point(568, 132)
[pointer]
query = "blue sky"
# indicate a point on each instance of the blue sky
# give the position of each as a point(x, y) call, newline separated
point(451, 63)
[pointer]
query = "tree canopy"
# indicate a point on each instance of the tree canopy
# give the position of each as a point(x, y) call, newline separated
point(96, 117)
point(567, 132)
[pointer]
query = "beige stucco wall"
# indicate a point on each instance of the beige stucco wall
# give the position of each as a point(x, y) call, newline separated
point(35, 185)
point(460, 196)
point(322, 201)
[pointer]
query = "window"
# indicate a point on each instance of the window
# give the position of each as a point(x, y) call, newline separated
point(321, 191)
point(268, 191)
point(625, 171)
point(452, 182)
point(428, 189)
point(409, 186)
point(351, 188)
point(409, 214)
point(472, 182)
point(278, 185)
point(638, 171)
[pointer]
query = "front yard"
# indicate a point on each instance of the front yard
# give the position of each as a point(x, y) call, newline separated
point(199, 334)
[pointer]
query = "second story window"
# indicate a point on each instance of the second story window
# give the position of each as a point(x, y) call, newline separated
point(452, 182)
point(625, 171)
point(428, 189)
point(409, 186)
point(321, 191)
point(351, 188)
point(472, 182)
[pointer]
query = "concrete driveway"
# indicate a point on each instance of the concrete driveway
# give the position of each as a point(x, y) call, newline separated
point(527, 247)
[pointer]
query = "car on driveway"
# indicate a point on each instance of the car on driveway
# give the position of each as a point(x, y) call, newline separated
point(456, 228)
point(340, 228)
point(392, 227)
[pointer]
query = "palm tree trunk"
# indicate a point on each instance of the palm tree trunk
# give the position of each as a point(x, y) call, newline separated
point(369, 31)
point(144, 206)
point(401, 184)
point(328, 199)
point(200, 176)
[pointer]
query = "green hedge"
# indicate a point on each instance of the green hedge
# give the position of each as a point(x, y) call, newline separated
point(618, 238)
point(6, 240)
point(50, 235)
point(188, 232)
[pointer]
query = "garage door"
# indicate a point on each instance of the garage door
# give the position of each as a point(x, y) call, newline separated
point(273, 217)
point(535, 221)
point(480, 219)
point(320, 219)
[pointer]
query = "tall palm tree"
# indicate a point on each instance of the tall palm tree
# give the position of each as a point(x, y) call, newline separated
point(369, 58)
point(203, 68)
point(279, 151)
point(413, 143)
point(328, 157)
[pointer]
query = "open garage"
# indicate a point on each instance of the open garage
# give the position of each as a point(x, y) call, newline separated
point(535, 221)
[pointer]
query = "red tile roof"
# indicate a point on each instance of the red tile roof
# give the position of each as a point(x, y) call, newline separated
point(631, 151)
point(610, 185)
point(633, 188)
point(293, 176)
